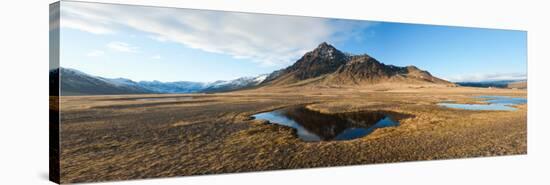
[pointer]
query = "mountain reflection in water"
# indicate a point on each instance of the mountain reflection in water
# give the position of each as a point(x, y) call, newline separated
point(315, 126)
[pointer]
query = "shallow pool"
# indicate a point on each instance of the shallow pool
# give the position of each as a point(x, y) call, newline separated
point(504, 103)
point(315, 126)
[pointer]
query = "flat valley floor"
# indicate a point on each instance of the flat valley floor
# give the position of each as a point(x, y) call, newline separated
point(122, 137)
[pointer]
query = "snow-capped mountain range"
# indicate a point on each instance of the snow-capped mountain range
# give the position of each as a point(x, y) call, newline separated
point(323, 66)
point(74, 82)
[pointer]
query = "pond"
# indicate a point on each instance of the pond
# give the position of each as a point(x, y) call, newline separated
point(315, 126)
point(182, 98)
point(503, 103)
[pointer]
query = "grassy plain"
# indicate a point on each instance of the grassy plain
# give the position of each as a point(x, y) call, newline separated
point(143, 136)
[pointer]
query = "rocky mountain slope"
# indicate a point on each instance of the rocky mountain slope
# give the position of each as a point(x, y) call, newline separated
point(74, 82)
point(328, 66)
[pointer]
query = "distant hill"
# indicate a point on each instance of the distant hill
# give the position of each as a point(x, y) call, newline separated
point(172, 87)
point(328, 66)
point(74, 82)
point(237, 84)
point(519, 84)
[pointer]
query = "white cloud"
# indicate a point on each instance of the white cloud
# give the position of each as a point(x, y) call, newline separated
point(488, 77)
point(158, 38)
point(156, 57)
point(122, 47)
point(84, 26)
point(85, 20)
point(95, 53)
point(267, 39)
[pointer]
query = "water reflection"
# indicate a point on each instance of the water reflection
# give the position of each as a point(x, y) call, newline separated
point(504, 103)
point(164, 98)
point(315, 126)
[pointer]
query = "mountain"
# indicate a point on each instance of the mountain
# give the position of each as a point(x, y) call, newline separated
point(74, 82)
point(323, 66)
point(239, 83)
point(323, 60)
point(519, 84)
point(173, 87)
point(328, 66)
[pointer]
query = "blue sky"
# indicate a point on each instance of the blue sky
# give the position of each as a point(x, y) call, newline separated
point(167, 44)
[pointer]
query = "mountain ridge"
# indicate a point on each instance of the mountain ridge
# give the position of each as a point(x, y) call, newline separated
point(327, 66)
point(75, 82)
point(518, 84)
point(323, 66)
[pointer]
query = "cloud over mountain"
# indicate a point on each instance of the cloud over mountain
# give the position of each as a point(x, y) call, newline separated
point(267, 39)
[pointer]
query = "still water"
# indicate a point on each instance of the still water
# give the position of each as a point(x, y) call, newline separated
point(165, 98)
point(315, 126)
point(494, 103)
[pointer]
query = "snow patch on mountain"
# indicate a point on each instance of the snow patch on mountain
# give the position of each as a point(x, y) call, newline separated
point(260, 79)
point(165, 87)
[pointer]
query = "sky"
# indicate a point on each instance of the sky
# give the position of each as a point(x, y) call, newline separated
point(169, 44)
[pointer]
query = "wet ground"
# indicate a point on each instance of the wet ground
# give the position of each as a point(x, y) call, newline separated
point(117, 138)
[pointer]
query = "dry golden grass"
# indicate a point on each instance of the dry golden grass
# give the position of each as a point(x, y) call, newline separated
point(119, 137)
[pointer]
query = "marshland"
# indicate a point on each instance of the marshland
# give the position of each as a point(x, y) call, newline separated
point(117, 137)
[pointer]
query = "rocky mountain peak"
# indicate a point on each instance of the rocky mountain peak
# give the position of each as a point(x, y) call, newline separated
point(322, 60)
point(328, 65)
point(325, 46)
point(326, 50)
point(413, 68)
